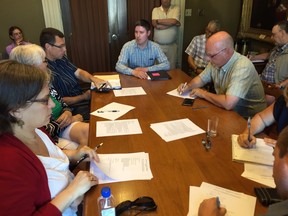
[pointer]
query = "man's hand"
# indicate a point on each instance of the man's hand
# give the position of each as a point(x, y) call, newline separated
point(140, 73)
point(198, 92)
point(209, 207)
point(244, 142)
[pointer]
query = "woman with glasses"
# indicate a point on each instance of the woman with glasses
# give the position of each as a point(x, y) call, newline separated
point(17, 37)
point(25, 106)
point(72, 127)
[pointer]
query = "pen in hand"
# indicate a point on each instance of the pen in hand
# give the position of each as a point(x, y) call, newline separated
point(249, 126)
point(183, 88)
point(86, 155)
point(218, 202)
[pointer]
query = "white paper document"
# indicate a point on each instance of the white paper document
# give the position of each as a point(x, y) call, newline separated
point(259, 173)
point(122, 167)
point(118, 127)
point(176, 94)
point(112, 111)
point(177, 129)
point(114, 80)
point(260, 154)
point(237, 204)
point(133, 91)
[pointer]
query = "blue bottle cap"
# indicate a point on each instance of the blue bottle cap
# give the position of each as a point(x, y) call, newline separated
point(106, 192)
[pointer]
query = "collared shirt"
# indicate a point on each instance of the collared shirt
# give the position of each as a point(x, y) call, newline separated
point(64, 79)
point(239, 78)
point(131, 57)
point(169, 35)
point(196, 49)
point(269, 71)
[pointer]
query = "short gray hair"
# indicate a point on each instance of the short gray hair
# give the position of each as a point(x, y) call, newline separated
point(30, 54)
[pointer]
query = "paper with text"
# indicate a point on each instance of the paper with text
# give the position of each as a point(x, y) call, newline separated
point(133, 91)
point(260, 154)
point(177, 129)
point(112, 111)
point(118, 127)
point(237, 204)
point(122, 167)
point(259, 173)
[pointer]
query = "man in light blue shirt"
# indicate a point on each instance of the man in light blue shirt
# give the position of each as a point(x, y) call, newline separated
point(141, 55)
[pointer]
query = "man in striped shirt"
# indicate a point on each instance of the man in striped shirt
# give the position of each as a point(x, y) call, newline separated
point(66, 74)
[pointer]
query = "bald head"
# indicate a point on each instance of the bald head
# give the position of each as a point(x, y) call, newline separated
point(221, 43)
point(221, 40)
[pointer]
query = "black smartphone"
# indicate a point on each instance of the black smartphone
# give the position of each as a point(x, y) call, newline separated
point(188, 102)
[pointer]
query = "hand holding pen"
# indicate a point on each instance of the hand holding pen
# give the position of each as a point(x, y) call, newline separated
point(249, 132)
point(181, 88)
point(89, 153)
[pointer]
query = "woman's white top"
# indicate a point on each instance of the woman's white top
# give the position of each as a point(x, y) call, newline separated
point(57, 169)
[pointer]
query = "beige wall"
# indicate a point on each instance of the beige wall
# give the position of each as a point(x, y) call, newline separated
point(27, 14)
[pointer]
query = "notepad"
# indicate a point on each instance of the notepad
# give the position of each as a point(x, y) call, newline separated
point(260, 154)
point(158, 75)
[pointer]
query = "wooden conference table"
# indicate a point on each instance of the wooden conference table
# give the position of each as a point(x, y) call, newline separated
point(175, 165)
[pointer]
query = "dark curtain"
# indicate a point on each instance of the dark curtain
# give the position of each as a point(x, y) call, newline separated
point(139, 9)
point(89, 27)
point(89, 41)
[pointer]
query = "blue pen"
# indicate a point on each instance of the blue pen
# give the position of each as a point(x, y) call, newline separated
point(218, 202)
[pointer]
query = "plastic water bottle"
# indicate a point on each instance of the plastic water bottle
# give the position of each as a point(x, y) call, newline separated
point(106, 203)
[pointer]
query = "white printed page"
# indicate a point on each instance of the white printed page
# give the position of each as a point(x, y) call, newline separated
point(173, 130)
point(118, 127)
point(133, 91)
point(259, 173)
point(237, 204)
point(122, 167)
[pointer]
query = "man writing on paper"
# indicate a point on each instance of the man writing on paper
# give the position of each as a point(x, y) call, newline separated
point(236, 82)
point(276, 113)
point(280, 175)
point(274, 76)
point(141, 55)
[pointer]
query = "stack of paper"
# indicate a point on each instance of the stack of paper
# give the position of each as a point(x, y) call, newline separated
point(260, 154)
point(114, 80)
point(122, 167)
point(177, 129)
point(259, 173)
point(258, 161)
point(132, 91)
point(236, 204)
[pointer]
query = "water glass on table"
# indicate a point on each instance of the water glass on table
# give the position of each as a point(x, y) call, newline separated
point(212, 126)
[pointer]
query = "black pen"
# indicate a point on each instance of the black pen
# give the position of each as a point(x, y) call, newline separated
point(102, 86)
point(86, 155)
point(249, 126)
point(103, 111)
